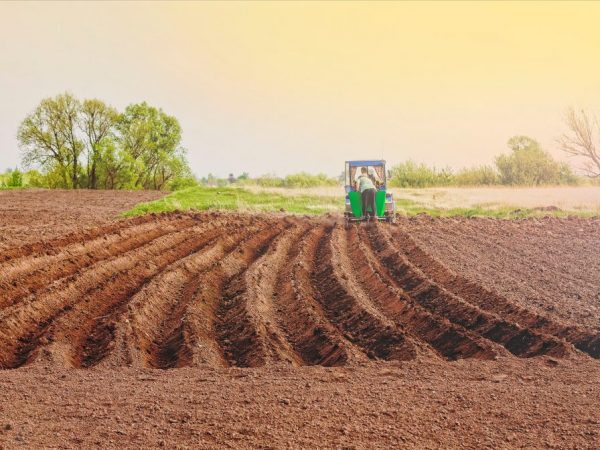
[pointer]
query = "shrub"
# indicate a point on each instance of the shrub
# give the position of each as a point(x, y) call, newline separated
point(528, 164)
point(477, 176)
point(411, 174)
point(16, 179)
point(269, 180)
point(182, 183)
point(304, 180)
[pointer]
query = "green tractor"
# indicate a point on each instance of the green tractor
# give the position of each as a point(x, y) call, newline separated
point(384, 202)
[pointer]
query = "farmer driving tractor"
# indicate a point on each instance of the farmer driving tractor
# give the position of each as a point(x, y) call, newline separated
point(367, 197)
point(365, 184)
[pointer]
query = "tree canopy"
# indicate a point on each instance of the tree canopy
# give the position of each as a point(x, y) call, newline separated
point(528, 164)
point(89, 144)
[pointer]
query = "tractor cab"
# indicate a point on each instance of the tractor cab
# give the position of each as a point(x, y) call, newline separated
point(384, 202)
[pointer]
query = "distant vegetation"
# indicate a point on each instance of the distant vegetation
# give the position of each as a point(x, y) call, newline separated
point(297, 180)
point(527, 164)
point(68, 143)
point(89, 144)
point(14, 178)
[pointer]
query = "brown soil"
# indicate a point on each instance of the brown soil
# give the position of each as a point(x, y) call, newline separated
point(288, 331)
point(28, 215)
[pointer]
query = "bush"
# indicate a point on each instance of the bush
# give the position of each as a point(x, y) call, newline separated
point(305, 180)
point(269, 180)
point(528, 164)
point(411, 174)
point(16, 179)
point(34, 178)
point(477, 176)
point(182, 183)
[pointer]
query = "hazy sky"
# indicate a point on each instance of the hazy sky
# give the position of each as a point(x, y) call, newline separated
point(283, 87)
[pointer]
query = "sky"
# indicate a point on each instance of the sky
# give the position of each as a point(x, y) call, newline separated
point(279, 87)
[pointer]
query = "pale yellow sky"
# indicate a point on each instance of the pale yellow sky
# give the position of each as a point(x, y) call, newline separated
point(281, 87)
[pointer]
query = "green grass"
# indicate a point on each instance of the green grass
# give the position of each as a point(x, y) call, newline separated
point(227, 198)
point(238, 199)
point(410, 208)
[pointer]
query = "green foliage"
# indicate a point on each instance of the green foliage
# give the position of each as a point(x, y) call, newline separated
point(269, 180)
point(97, 121)
point(33, 178)
point(297, 180)
point(411, 174)
point(305, 180)
point(151, 139)
point(180, 183)
point(89, 144)
point(529, 165)
point(16, 179)
point(476, 176)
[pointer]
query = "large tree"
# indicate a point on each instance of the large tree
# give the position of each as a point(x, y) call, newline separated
point(582, 139)
point(89, 144)
point(41, 140)
point(96, 121)
point(151, 139)
point(48, 137)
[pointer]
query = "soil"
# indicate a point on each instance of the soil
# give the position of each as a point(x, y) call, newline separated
point(28, 215)
point(226, 330)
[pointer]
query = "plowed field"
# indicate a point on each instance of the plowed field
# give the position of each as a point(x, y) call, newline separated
point(220, 291)
point(250, 290)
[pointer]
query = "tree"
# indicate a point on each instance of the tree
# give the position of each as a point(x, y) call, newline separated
point(41, 140)
point(581, 140)
point(89, 144)
point(48, 138)
point(96, 121)
point(529, 164)
point(151, 138)
point(68, 108)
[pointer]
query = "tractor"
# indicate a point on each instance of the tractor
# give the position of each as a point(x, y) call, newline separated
point(384, 201)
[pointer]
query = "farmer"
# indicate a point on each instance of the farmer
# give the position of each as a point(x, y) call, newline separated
point(365, 186)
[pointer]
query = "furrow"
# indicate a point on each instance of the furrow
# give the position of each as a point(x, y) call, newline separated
point(23, 326)
point(154, 324)
point(206, 334)
point(349, 307)
point(55, 246)
point(520, 341)
point(492, 301)
point(248, 328)
point(28, 275)
point(449, 340)
point(308, 330)
point(95, 339)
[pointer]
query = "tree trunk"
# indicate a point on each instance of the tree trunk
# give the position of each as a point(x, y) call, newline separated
point(93, 181)
point(74, 178)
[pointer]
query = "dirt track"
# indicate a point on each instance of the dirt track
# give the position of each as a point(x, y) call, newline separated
point(396, 315)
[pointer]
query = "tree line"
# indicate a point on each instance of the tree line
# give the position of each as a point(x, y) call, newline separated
point(527, 164)
point(89, 144)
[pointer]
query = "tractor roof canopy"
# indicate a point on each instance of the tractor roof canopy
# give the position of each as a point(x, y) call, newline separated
point(378, 165)
point(366, 162)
